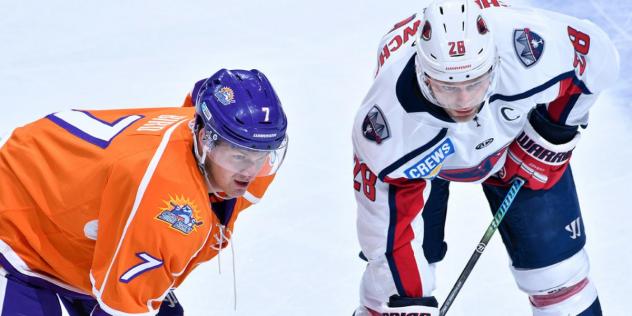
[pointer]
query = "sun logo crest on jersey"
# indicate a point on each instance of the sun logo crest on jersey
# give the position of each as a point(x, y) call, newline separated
point(225, 95)
point(181, 213)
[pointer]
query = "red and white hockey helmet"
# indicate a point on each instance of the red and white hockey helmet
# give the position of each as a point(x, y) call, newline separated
point(454, 45)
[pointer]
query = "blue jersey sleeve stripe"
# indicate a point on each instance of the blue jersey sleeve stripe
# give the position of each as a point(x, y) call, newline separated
point(540, 88)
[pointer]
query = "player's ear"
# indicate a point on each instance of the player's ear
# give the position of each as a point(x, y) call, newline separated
point(200, 135)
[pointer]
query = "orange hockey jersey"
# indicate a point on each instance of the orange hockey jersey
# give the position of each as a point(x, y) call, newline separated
point(111, 203)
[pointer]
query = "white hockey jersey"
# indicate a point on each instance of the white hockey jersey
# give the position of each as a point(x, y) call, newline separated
point(401, 141)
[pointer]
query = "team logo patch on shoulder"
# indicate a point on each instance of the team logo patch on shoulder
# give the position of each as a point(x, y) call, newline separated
point(430, 165)
point(375, 127)
point(225, 95)
point(181, 214)
point(528, 46)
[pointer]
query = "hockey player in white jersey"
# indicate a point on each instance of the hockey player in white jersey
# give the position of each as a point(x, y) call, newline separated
point(480, 92)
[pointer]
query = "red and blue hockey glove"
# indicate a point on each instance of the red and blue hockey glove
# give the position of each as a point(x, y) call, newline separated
point(539, 161)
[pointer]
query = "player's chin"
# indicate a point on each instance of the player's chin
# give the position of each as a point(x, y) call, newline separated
point(238, 188)
point(235, 193)
point(464, 115)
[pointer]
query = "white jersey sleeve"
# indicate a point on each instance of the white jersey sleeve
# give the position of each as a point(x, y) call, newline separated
point(552, 59)
point(596, 63)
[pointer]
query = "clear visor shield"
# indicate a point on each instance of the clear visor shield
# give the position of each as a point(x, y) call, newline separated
point(247, 163)
point(461, 95)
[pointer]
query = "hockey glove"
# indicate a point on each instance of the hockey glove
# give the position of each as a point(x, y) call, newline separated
point(540, 158)
point(424, 306)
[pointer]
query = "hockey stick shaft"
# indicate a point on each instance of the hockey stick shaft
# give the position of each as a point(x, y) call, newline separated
point(491, 229)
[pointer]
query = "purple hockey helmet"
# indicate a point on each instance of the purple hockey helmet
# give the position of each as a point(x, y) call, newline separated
point(241, 109)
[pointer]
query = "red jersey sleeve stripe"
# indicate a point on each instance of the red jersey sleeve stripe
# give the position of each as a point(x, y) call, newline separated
point(405, 203)
point(563, 104)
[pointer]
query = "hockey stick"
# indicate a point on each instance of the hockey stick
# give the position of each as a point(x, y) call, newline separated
point(491, 229)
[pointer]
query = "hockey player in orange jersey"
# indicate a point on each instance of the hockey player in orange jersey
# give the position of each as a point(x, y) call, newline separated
point(110, 210)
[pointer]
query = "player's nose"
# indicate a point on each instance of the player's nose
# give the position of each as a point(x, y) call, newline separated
point(462, 97)
point(250, 172)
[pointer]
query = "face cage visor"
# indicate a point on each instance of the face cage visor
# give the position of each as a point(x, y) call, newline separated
point(246, 162)
point(461, 95)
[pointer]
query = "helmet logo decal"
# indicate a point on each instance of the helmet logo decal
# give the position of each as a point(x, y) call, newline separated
point(457, 48)
point(264, 135)
point(481, 25)
point(225, 95)
point(456, 68)
point(426, 31)
point(374, 127)
point(528, 46)
point(207, 113)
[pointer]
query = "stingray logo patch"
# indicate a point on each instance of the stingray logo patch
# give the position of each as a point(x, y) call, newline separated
point(430, 165)
point(225, 95)
point(528, 46)
point(374, 127)
point(181, 213)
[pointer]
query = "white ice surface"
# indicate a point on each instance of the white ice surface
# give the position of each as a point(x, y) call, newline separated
point(297, 249)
